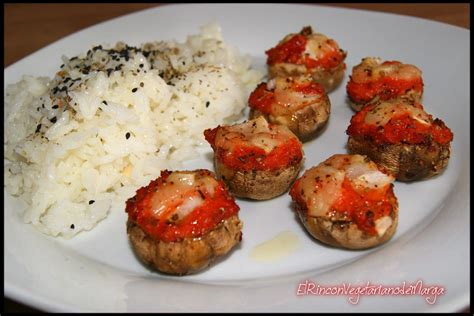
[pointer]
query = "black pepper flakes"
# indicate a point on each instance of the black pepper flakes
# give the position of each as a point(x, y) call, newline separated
point(38, 127)
point(142, 84)
point(53, 119)
point(91, 202)
point(55, 106)
point(127, 135)
point(207, 104)
point(105, 102)
point(72, 226)
point(134, 90)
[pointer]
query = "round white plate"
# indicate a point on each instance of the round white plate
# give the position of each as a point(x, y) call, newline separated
point(97, 270)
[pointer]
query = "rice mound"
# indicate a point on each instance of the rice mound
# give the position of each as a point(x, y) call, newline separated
point(82, 143)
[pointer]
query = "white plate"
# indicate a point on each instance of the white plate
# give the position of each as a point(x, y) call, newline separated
point(97, 271)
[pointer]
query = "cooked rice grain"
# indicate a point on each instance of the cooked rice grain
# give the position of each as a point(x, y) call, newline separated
point(111, 120)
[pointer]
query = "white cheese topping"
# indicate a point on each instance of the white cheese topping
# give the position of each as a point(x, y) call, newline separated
point(180, 193)
point(384, 111)
point(382, 224)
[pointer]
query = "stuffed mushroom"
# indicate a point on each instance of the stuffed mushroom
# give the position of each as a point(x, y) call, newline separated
point(256, 160)
point(308, 53)
point(182, 221)
point(299, 103)
point(347, 201)
point(374, 80)
point(399, 135)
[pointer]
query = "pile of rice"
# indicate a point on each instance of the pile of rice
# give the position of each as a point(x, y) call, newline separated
point(82, 143)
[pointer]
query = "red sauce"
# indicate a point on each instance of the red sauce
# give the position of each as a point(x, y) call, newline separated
point(262, 99)
point(364, 208)
point(288, 52)
point(295, 194)
point(201, 220)
point(292, 50)
point(400, 129)
point(385, 88)
point(248, 158)
point(309, 88)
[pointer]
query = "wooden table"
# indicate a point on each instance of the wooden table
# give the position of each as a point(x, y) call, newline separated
point(29, 27)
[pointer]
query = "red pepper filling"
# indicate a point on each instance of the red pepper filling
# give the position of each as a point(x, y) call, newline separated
point(295, 195)
point(385, 88)
point(399, 129)
point(262, 99)
point(250, 157)
point(291, 51)
point(365, 208)
point(201, 220)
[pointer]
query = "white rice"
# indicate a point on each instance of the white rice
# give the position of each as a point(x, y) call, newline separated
point(104, 141)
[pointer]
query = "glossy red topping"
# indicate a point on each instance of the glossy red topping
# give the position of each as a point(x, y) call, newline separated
point(255, 145)
point(247, 157)
point(212, 209)
point(401, 128)
point(364, 208)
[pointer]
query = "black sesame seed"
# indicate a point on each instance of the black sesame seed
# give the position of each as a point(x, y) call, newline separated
point(91, 202)
point(134, 90)
point(127, 136)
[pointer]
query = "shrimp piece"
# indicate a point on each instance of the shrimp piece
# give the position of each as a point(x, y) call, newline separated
point(257, 160)
point(374, 80)
point(299, 103)
point(182, 221)
point(399, 135)
point(308, 53)
point(347, 201)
